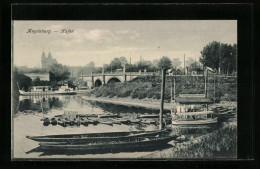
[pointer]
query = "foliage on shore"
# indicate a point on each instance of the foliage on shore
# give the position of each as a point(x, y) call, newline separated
point(219, 144)
point(150, 87)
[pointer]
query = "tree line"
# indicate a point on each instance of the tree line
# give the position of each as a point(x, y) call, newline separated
point(218, 56)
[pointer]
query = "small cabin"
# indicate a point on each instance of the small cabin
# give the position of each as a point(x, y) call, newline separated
point(192, 103)
point(40, 88)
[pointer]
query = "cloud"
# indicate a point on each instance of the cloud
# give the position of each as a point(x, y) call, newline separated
point(100, 35)
point(134, 35)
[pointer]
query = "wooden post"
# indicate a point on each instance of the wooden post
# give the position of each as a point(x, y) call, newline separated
point(184, 66)
point(162, 99)
point(207, 83)
point(130, 67)
point(171, 91)
point(214, 89)
point(171, 96)
point(174, 89)
point(206, 86)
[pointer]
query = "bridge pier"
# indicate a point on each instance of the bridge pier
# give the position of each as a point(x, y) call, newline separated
point(92, 80)
point(103, 77)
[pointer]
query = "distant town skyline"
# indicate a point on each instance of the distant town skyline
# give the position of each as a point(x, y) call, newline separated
point(76, 43)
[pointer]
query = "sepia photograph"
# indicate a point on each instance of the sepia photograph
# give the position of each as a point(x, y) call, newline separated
point(124, 89)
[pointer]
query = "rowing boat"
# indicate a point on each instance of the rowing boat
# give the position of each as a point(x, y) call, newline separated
point(126, 144)
point(149, 116)
point(108, 115)
point(90, 137)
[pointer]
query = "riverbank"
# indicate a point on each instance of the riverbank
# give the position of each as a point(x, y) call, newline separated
point(146, 102)
point(221, 143)
point(149, 87)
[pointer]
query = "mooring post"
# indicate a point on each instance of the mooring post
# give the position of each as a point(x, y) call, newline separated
point(205, 78)
point(214, 88)
point(162, 99)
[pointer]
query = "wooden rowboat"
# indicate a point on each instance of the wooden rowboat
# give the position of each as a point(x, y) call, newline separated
point(149, 116)
point(109, 115)
point(197, 122)
point(90, 137)
point(130, 143)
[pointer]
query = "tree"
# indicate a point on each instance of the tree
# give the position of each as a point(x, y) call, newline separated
point(165, 63)
point(176, 62)
point(58, 73)
point(211, 55)
point(123, 61)
point(23, 81)
point(116, 64)
point(142, 65)
point(219, 56)
point(91, 64)
point(37, 81)
point(189, 61)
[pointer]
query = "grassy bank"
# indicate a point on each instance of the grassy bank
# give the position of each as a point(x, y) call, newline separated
point(149, 87)
point(146, 102)
point(222, 143)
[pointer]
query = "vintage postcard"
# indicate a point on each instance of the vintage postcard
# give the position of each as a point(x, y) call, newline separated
point(124, 89)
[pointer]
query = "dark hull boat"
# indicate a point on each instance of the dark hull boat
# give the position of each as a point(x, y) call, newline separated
point(92, 137)
point(121, 145)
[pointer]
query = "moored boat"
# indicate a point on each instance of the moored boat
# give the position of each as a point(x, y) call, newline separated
point(47, 90)
point(90, 137)
point(108, 115)
point(149, 116)
point(193, 111)
point(195, 118)
point(130, 143)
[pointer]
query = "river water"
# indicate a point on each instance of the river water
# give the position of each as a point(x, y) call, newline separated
point(29, 112)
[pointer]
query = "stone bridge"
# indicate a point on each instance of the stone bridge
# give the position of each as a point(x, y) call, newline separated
point(98, 79)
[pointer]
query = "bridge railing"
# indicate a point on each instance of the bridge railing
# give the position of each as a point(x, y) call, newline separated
point(147, 74)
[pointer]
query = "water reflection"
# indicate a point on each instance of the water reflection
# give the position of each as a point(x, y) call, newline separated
point(28, 122)
point(41, 103)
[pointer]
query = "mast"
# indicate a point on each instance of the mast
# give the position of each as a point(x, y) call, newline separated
point(174, 89)
point(171, 96)
point(162, 99)
point(130, 67)
point(206, 83)
point(184, 65)
point(214, 89)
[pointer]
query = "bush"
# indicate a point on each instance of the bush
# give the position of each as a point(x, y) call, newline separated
point(142, 95)
point(149, 86)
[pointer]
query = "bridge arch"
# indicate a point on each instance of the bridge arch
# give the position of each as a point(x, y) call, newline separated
point(113, 80)
point(97, 83)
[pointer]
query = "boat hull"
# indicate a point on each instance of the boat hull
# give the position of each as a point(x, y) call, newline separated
point(197, 122)
point(154, 142)
point(87, 138)
point(23, 93)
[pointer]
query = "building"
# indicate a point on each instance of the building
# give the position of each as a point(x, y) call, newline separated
point(47, 61)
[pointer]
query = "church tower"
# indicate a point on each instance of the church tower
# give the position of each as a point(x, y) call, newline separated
point(49, 55)
point(43, 60)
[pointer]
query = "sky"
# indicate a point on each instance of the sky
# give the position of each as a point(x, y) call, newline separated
point(102, 41)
